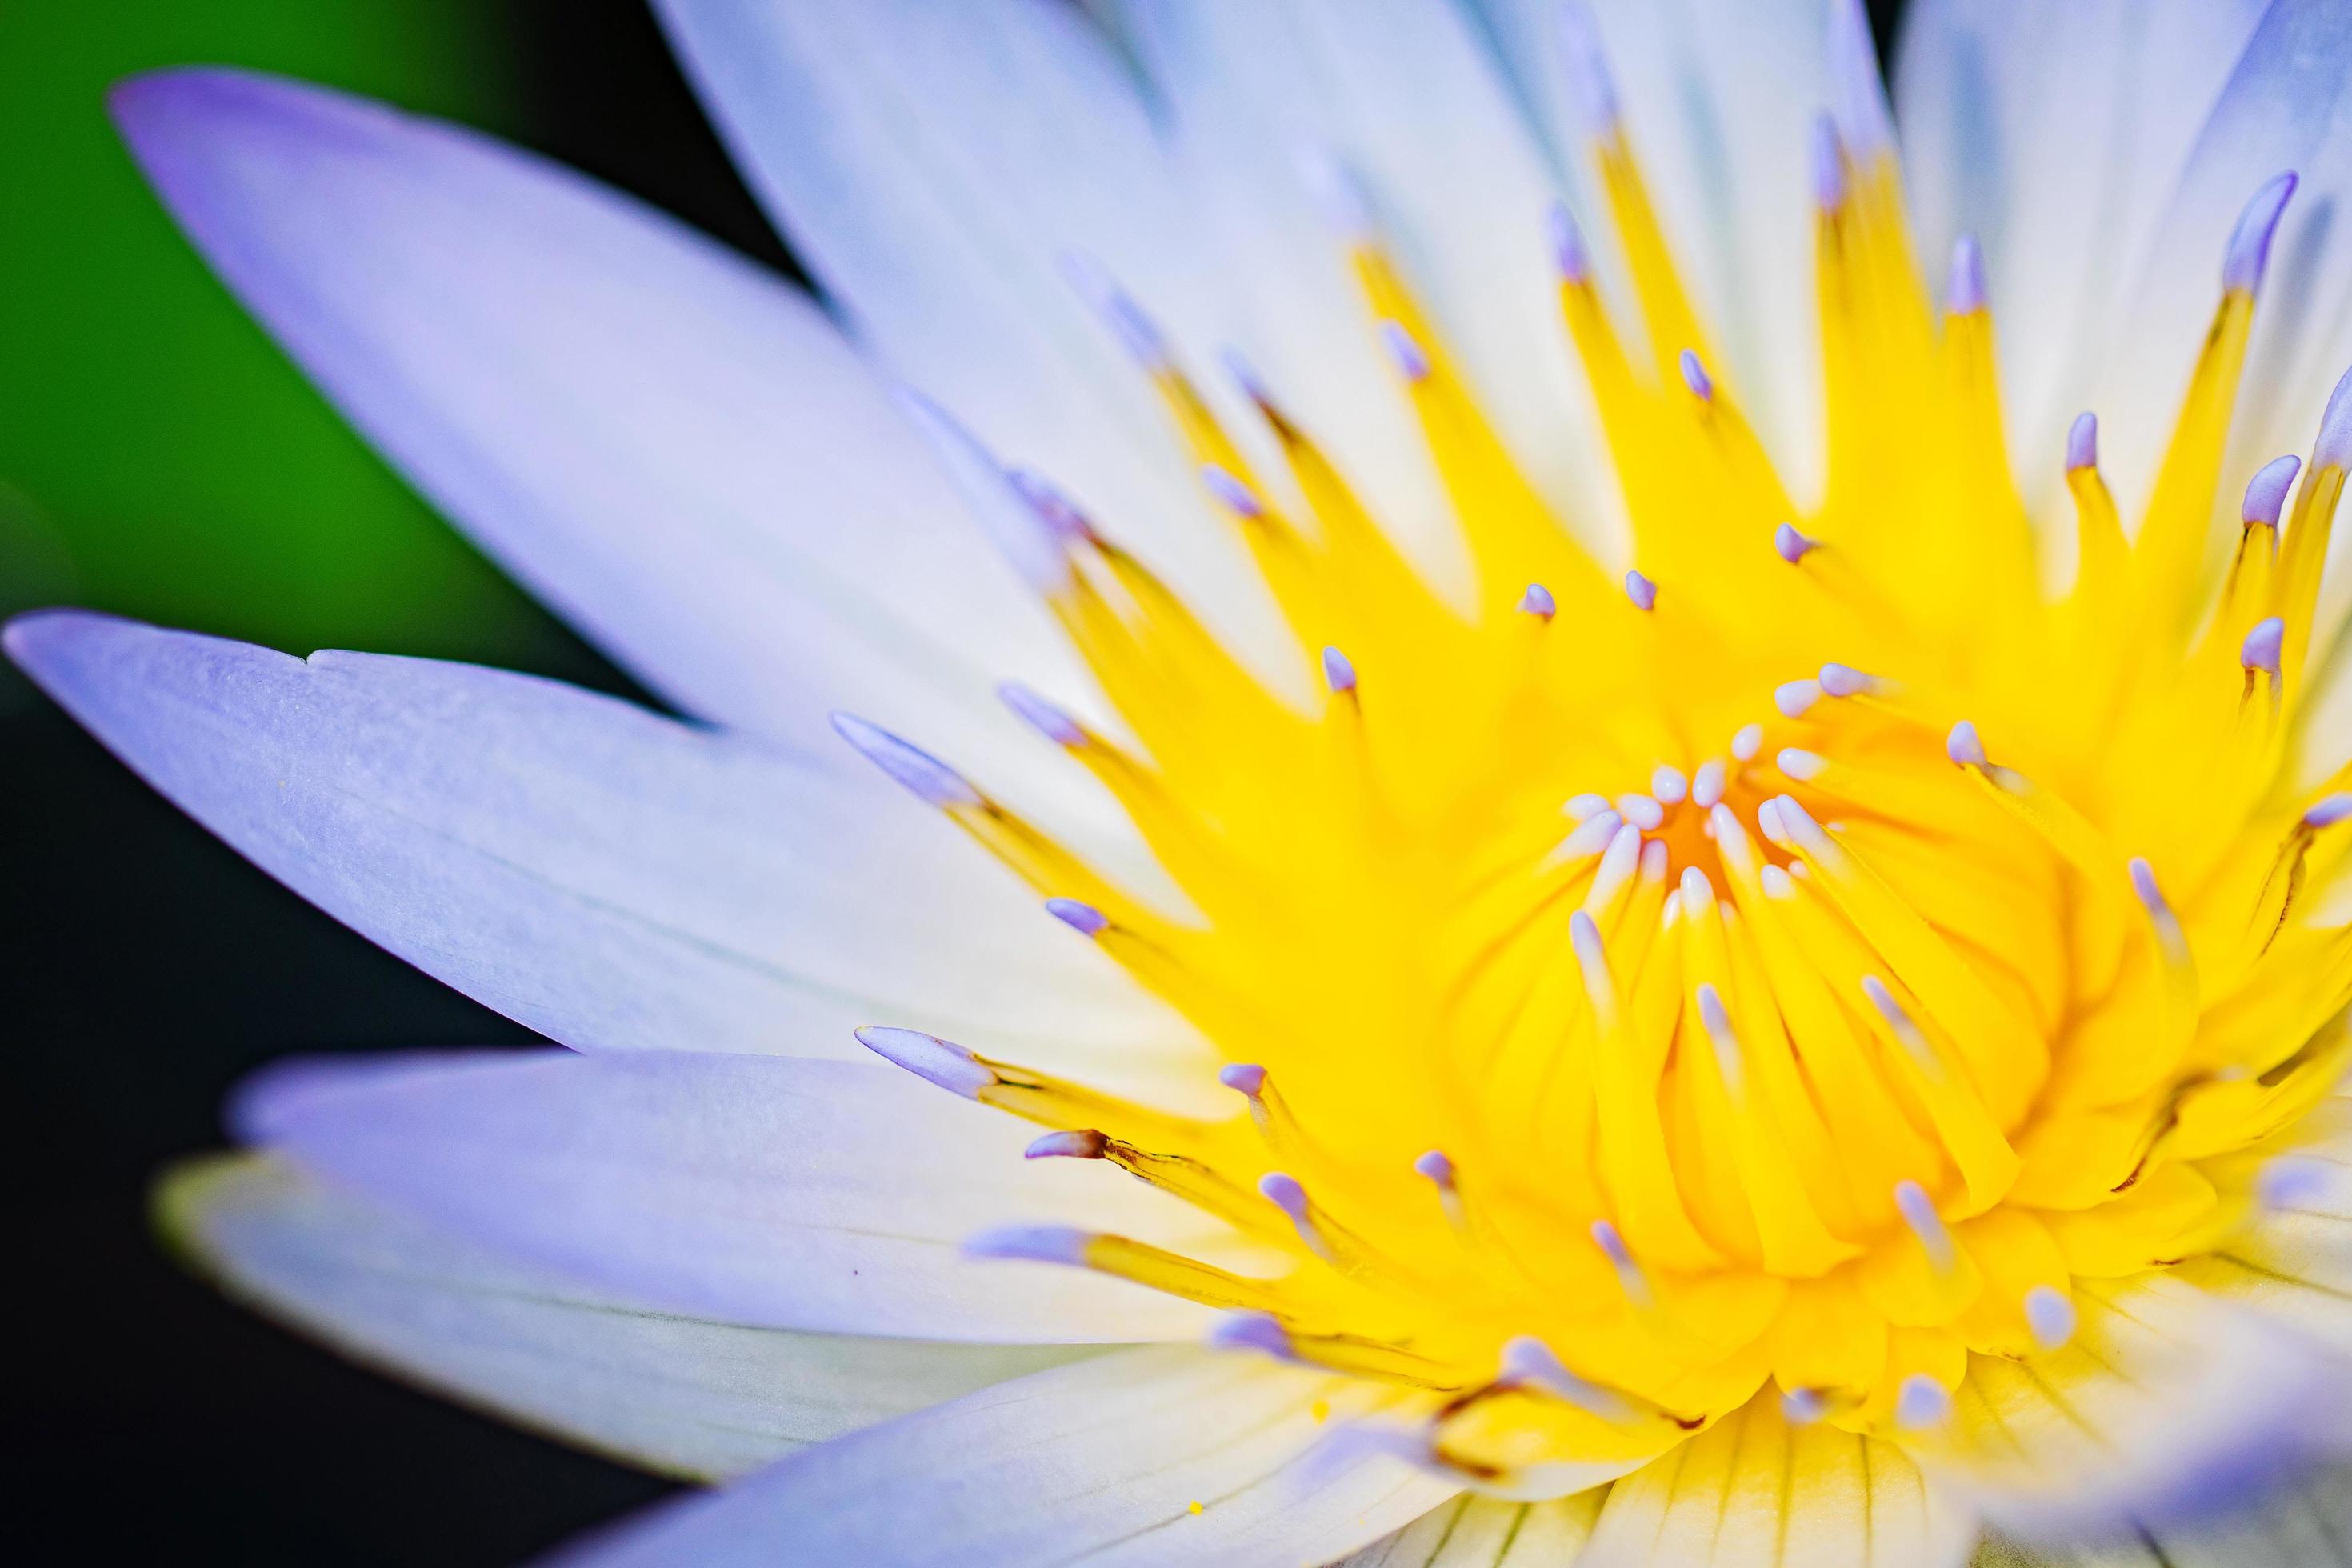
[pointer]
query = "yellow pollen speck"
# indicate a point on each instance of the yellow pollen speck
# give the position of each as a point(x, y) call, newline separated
point(1919, 945)
point(1193, 1506)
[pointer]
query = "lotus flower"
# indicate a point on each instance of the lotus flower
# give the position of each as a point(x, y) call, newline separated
point(1217, 1103)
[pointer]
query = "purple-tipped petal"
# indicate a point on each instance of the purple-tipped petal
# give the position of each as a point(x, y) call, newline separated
point(1008, 514)
point(1040, 715)
point(928, 779)
point(1259, 1332)
point(1339, 674)
point(1537, 602)
point(1137, 333)
point(1082, 918)
point(1567, 251)
point(1063, 1244)
point(1964, 289)
point(1405, 351)
point(2082, 442)
point(1695, 376)
point(1080, 1143)
point(2267, 492)
point(2249, 243)
point(1231, 493)
point(935, 1060)
point(1642, 591)
point(2330, 810)
point(2334, 448)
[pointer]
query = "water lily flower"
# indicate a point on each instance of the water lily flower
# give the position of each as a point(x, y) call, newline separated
point(1423, 812)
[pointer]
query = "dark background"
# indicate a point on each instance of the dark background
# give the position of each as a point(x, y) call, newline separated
point(144, 968)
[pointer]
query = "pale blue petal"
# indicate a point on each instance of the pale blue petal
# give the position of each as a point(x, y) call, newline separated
point(765, 1191)
point(676, 452)
point(1719, 96)
point(937, 166)
point(1405, 105)
point(1097, 1463)
point(687, 1396)
point(613, 878)
point(2057, 136)
point(2172, 1405)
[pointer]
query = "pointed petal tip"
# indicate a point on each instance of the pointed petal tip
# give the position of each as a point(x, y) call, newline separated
point(1139, 335)
point(2334, 448)
point(1040, 715)
point(1339, 674)
point(1567, 251)
point(1082, 918)
point(2249, 255)
point(1017, 516)
point(923, 775)
point(2329, 811)
point(2264, 646)
point(1695, 376)
point(1077, 1143)
point(1642, 591)
point(929, 1058)
point(1537, 602)
point(1243, 1078)
point(1964, 289)
point(1405, 351)
point(1790, 545)
point(1030, 1243)
point(1231, 493)
point(1259, 1332)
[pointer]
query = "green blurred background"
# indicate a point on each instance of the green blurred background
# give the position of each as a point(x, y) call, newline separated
point(157, 455)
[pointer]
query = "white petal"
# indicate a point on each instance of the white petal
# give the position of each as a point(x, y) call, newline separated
point(675, 451)
point(1753, 1488)
point(2171, 1406)
point(2287, 104)
point(1414, 110)
point(1099, 1462)
point(2057, 134)
point(610, 878)
point(936, 166)
point(1473, 1531)
point(684, 1396)
point(768, 1191)
point(1718, 98)
point(2305, 1528)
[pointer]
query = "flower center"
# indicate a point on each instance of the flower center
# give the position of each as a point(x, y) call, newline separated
point(1917, 948)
